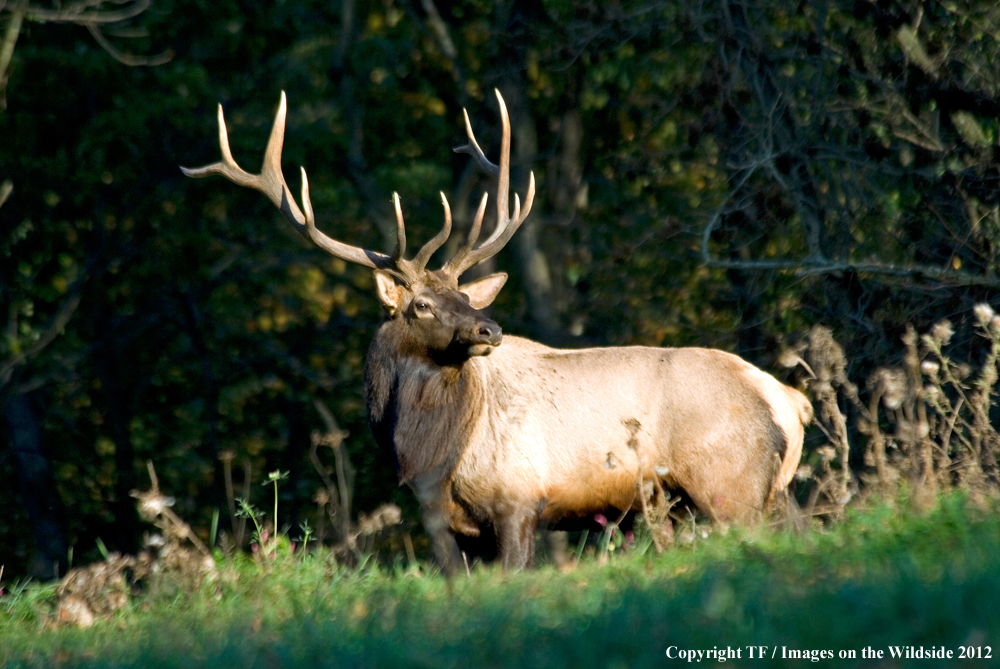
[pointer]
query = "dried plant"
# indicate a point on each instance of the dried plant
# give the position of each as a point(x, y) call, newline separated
point(336, 498)
point(384, 517)
point(964, 440)
point(823, 358)
point(176, 556)
point(154, 507)
point(97, 590)
point(926, 421)
point(239, 520)
point(333, 501)
point(656, 508)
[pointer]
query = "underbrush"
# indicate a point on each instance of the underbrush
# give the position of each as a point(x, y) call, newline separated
point(883, 576)
point(927, 423)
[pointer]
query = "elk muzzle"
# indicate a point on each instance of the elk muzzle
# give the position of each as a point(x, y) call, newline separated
point(482, 337)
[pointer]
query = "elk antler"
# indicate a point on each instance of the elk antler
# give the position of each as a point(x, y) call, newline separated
point(506, 225)
point(271, 182)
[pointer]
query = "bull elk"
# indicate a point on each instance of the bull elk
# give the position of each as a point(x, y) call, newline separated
point(510, 435)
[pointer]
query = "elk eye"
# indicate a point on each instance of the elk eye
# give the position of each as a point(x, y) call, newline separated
point(421, 305)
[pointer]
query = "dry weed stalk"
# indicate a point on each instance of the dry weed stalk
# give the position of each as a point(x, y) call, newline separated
point(959, 422)
point(656, 508)
point(939, 437)
point(98, 590)
point(239, 522)
point(336, 498)
point(154, 507)
point(385, 516)
point(827, 365)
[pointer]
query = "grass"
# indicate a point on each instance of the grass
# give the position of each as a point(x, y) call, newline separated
point(884, 576)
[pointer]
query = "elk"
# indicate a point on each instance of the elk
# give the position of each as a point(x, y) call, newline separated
point(515, 433)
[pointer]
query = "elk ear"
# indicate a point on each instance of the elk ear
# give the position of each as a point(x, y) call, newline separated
point(389, 293)
point(482, 292)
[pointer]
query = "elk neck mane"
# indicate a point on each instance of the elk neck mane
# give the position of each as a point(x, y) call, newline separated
point(428, 412)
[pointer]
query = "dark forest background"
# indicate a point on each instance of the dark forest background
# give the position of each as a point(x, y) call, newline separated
point(723, 174)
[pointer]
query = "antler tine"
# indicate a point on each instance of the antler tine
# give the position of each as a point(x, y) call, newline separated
point(503, 233)
point(400, 249)
point(472, 148)
point(307, 206)
point(271, 182)
point(500, 172)
point(454, 265)
point(506, 226)
point(428, 249)
point(503, 181)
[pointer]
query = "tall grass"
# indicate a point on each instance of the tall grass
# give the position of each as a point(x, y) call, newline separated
point(882, 576)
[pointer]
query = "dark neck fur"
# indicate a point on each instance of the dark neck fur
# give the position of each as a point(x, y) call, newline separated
point(422, 410)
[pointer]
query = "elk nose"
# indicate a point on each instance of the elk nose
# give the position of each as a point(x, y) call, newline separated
point(488, 332)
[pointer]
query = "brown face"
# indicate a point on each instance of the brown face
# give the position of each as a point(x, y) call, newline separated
point(448, 325)
point(446, 322)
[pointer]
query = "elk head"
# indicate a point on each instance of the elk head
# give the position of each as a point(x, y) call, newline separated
point(443, 315)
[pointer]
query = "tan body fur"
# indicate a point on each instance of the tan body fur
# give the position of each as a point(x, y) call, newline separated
point(588, 425)
point(532, 433)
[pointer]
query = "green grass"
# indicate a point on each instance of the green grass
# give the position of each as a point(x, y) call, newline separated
point(882, 577)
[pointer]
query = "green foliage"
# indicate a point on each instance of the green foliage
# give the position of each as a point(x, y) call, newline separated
point(884, 576)
point(184, 320)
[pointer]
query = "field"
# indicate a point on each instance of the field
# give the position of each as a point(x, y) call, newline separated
point(885, 578)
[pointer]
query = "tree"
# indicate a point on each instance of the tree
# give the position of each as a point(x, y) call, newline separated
point(27, 334)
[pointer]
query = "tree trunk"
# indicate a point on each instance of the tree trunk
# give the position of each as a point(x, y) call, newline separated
point(513, 43)
point(37, 488)
point(125, 530)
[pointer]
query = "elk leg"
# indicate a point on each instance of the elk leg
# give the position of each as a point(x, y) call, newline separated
point(516, 536)
point(432, 493)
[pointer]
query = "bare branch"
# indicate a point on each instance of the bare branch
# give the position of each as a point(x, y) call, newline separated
point(86, 13)
point(440, 30)
point(56, 326)
point(124, 58)
point(809, 266)
point(78, 13)
point(717, 214)
point(10, 39)
point(817, 264)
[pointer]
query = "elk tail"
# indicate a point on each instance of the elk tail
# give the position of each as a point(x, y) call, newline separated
point(794, 436)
